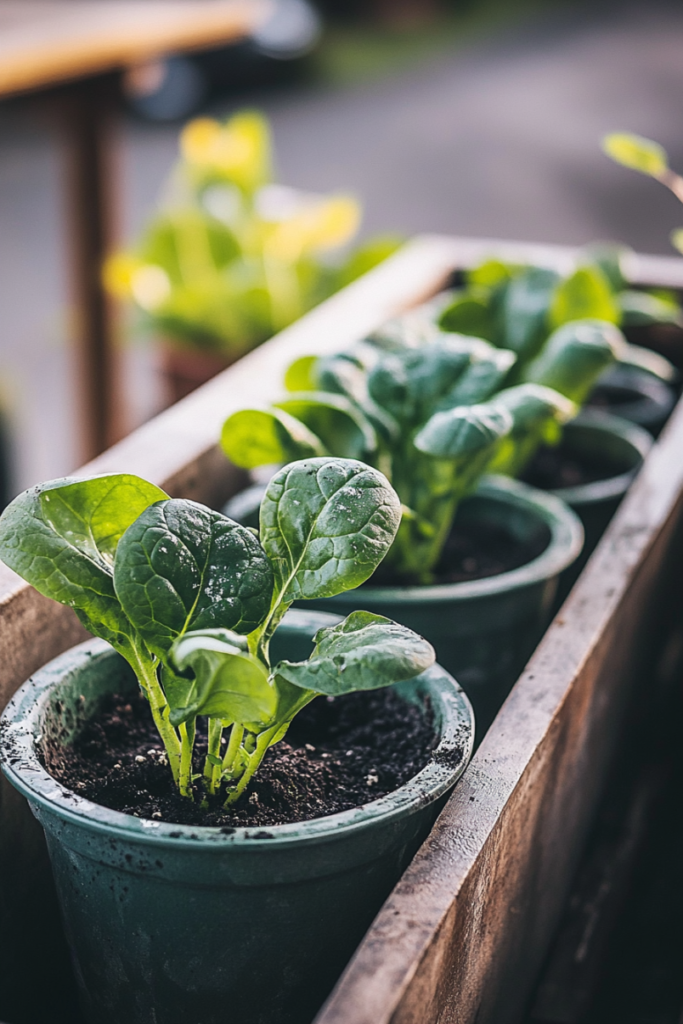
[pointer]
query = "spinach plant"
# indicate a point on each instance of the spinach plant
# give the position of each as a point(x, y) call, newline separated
point(519, 307)
point(191, 599)
point(428, 414)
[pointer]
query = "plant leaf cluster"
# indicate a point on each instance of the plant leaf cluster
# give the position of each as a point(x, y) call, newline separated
point(232, 257)
point(431, 410)
point(191, 599)
point(518, 307)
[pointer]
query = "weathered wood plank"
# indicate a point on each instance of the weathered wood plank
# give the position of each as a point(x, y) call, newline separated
point(464, 932)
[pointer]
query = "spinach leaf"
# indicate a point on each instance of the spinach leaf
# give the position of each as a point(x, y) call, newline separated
point(574, 356)
point(538, 414)
point(471, 314)
point(364, 652)
point(586, 294)
point(341, 427)
point(326, 524)
point(463, 431)
point(523, 310)
point(410, 384)
point(181, 567)
point(61, 537)
point(229, 683)
point(264, 437)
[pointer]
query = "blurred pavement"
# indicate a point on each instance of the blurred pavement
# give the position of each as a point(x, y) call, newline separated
point(497, 139)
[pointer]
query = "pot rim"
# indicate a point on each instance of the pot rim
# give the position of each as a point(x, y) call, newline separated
point(20, 724)
point(564, 546)
point(614, 486)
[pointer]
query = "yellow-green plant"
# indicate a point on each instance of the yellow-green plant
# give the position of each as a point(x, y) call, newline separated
point(231, 258)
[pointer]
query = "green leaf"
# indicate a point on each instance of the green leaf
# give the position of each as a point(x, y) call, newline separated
point(410, 384)
point(61, 537)
point(463, 431)
point(637, 153)
point(490, 274)
point(610, 258)
point(482, 378)
point(184, 567)
point(586, 294)
point(326, 524)
point(469, 314)
point(574, 356)
point(301, 374)
point(538, 414)
point(345, 374)
point(229, 683)
point(523, 310)
point(639, 308)
point(265, 437)
point(364, 652)
point(341, 427)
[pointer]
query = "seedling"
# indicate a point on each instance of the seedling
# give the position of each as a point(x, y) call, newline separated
point(191, 599)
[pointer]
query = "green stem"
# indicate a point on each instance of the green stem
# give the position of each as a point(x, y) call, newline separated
point(212, 771)
point(255, 760)
point(186, 731)
point(236, 734)
point(147, 677)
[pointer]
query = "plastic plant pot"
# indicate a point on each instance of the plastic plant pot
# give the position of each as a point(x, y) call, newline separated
point(634, 395)
point(170, 924)
point(485, 630)
point(616, 449)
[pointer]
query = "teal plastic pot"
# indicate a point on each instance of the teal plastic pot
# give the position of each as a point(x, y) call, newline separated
point(635, 395)
point(617, 449)
point(169, 924)
point(485, 630)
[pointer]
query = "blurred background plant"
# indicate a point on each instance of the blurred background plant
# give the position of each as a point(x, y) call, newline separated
point(231, 257)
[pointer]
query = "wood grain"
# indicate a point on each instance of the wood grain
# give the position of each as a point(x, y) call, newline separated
point(43, 43)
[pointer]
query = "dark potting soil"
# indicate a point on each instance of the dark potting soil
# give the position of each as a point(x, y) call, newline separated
point(553, 468)
point(339, 753)
point(474, 551)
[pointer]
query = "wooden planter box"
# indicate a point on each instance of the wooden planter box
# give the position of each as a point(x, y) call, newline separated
point(463, 934)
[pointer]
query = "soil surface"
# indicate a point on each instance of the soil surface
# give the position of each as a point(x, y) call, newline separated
point(474, 551)
point(553, 468)
point(339, 753)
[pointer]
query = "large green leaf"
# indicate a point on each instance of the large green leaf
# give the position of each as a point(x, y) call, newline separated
point(523, 310)
point(463, 431)
point(183, 567)
point(62, 536)
point(410, 384)
point(574, 356)
point(341, 427)
point(364, 652)
point(345, 374)
point(326, 524)
point(585, 294)
point(264, 437)
point(228, 682)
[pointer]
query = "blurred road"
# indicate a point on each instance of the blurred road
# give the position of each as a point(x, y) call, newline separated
point(498, 139)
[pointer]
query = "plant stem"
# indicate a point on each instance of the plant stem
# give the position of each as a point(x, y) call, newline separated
point(186, 731)
point(262, 745)
point(212, 771)
point(146, 672)
point(234, 744)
